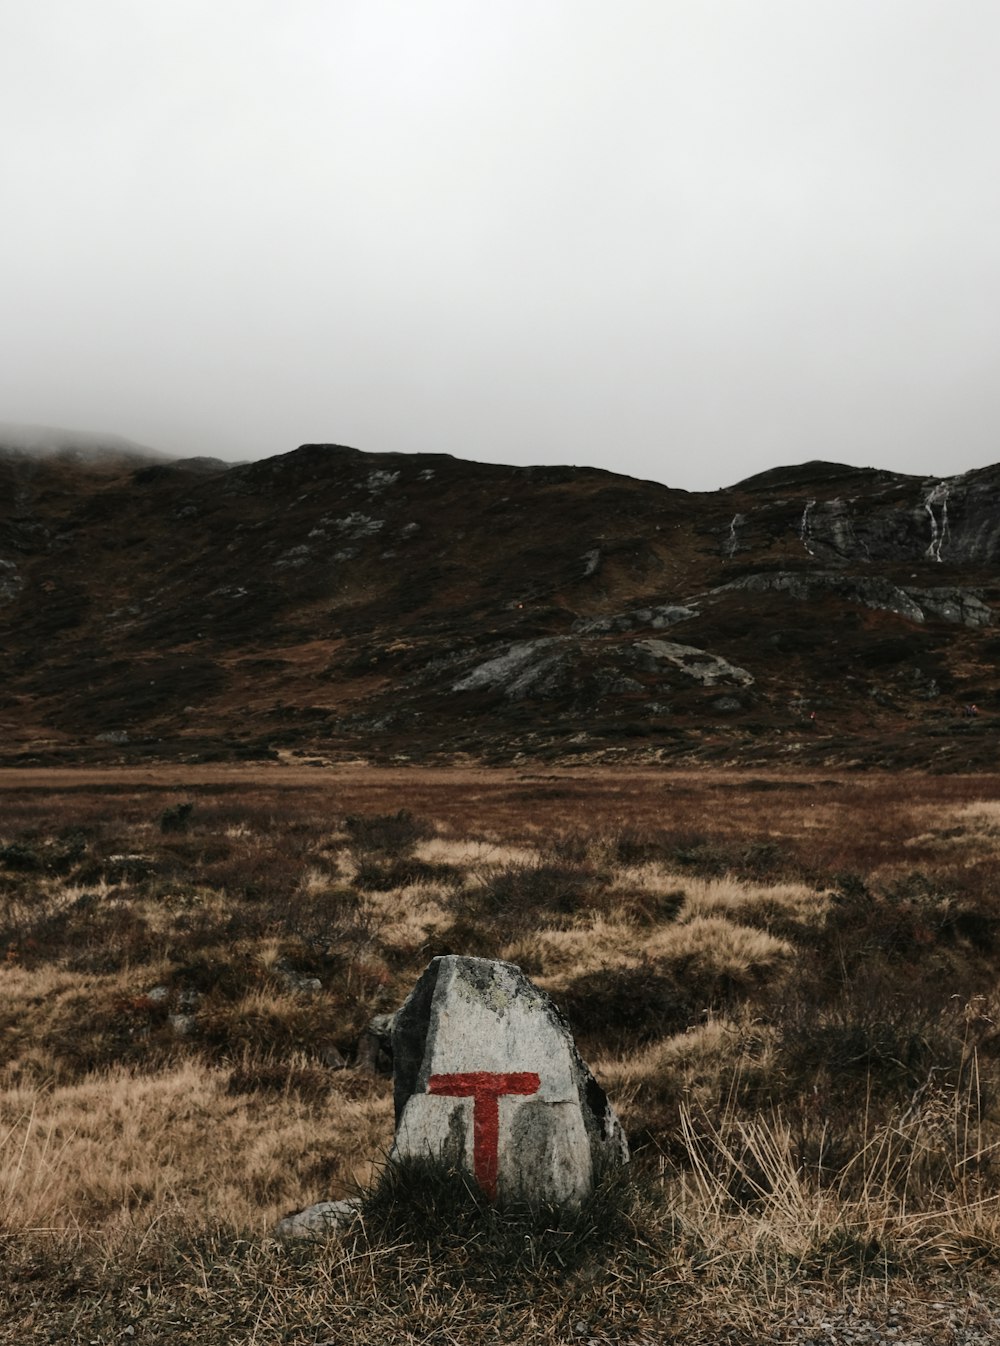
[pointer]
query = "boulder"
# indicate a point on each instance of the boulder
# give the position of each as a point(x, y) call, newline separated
point(487, 1078)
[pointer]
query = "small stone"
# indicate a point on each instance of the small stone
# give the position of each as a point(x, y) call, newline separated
point(726, 704)
point(332, 1058)
point(374, 1052)
point(299, 982)
point(319, 1221)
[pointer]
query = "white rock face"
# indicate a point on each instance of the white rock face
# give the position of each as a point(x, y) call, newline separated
point(487, 1077)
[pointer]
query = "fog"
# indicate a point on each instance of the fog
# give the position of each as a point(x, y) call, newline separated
point(683, 239)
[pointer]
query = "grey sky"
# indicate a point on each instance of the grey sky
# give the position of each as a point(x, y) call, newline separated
point(683, 239)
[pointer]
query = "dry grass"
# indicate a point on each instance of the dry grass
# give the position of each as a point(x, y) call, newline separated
point(785, 984)
point(121, 1150)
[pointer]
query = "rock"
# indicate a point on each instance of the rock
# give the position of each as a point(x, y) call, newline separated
point(874, 592)
point(487, 1077)
point(700, 665)
point(299, 982)
point(726, 704)
point(948, 603)
point(374, 1054)
point(525, 668)
point(10, 582)
point(183, 1005)
point(953, 604)
point(612, 684)
point(319, 1221)
point(658, 618)
point(332, 1057)
point(129, 868)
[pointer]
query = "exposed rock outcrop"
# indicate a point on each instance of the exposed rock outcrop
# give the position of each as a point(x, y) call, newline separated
point(638, 619)
point(846, 515)
point(947, 603)
point(710, 670)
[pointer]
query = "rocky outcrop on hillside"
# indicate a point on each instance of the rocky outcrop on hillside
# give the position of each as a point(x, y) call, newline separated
point(863, 516)
point(949, 603)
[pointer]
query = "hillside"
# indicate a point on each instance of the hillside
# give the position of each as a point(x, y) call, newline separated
point(332, 603)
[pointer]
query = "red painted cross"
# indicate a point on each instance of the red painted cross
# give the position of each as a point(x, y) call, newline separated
point(485, 1089)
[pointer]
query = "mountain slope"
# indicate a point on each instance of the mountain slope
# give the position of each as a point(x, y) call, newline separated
point(333, 602)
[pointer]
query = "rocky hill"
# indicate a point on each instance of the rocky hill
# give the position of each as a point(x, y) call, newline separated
point(333, 603)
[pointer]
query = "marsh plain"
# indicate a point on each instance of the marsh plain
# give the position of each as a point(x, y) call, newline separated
point(785, 981)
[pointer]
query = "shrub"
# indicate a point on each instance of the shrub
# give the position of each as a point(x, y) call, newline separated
point(264, 1025)
point(871, 1046)
point(628, 1004)
point(513, 892)
point(21, 857)
point(177, 818)
point(901, 922)
point(335, 924)
point(375, 877)
point(392, 834)
point(652, 908)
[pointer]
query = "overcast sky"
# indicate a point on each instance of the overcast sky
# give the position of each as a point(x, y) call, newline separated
point(682, 239)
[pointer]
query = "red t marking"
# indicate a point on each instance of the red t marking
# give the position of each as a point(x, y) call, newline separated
point(485, 1088)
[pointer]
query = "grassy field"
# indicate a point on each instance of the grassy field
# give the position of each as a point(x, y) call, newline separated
point(786, 983)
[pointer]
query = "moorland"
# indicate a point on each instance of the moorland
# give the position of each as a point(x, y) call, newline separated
point(786, 980)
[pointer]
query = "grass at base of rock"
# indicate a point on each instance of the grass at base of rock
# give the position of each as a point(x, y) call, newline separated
point(651, 1280)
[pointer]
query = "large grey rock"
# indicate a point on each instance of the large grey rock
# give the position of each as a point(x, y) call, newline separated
point(525, 668)
point(488, 1078)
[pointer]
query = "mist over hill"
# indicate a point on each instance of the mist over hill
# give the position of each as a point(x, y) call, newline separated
point(47, 441)
point(330, 602)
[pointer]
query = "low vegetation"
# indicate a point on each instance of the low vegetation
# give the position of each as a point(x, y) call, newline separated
point(787, 985)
